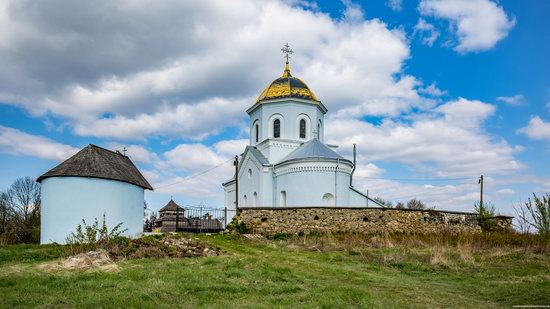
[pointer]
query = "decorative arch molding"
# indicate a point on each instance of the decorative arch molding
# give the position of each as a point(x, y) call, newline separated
point(255, 132)
point(271, 123)
point(328, 199)
point(307, 128)
point(319, 129)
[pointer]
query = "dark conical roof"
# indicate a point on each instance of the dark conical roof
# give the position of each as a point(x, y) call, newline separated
point(96, 162)
point(171, 206)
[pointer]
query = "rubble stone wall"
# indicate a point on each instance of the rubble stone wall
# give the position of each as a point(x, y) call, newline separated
point(364, 220)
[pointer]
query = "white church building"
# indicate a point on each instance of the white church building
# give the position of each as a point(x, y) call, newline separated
point(287, 163)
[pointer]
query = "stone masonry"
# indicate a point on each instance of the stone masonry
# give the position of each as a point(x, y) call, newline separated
point(363, 220)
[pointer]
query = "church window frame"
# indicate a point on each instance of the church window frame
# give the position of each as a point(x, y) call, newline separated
point(277, 128)
point(272, 120)
point(303, 132)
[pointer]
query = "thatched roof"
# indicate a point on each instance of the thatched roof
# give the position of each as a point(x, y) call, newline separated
point(171, 206)
point(96, 162)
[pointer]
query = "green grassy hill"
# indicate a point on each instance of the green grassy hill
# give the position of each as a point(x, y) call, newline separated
point(297, 272)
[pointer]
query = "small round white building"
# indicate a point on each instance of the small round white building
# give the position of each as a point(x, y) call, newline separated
point(92, 183)
point(287, 164)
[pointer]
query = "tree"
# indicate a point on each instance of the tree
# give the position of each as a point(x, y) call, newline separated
point(523, 219)
point(486, 213)
point(24, 195)
point(539, 209)
point(400, 205)
point(416, 204)
point(5, 212)
point(20, 212)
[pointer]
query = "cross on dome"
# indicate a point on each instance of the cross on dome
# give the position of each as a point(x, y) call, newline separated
point(287, 51)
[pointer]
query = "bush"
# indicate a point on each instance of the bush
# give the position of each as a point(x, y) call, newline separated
point(539, 209)
point(237, 227)
point(89, 237)
point(486, 214)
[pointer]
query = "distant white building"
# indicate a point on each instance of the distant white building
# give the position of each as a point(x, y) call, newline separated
point(93, 182)
point(287, 164)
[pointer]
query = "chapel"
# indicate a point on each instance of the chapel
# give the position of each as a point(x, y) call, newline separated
point(287, 163)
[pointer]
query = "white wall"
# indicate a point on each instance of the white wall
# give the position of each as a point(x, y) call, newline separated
point(288, 111)
point(308, 186)
point(68, 200)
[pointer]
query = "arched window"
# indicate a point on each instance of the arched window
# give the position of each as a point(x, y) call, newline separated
point(255, 199)
point(302, 128)
point(282, 199)
point(276, 128)
point(257, 132)
point(244, 200)
point(328, 199)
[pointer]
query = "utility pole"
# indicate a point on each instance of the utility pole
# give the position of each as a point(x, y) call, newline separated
point(236, 163)
point(481, 194)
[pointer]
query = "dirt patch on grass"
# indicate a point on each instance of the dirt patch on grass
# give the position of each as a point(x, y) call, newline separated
point(97, 260)
point(104, 257)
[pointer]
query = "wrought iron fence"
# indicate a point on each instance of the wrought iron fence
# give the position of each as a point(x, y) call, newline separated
point(203, 219)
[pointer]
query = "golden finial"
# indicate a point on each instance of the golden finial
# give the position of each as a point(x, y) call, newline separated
point(287, 51)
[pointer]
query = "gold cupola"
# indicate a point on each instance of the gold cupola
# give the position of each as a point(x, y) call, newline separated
point(287, 86)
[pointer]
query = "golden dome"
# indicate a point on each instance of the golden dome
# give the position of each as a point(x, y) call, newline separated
point(287, 86)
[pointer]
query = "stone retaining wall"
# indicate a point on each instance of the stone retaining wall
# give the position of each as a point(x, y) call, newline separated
point(364, 220)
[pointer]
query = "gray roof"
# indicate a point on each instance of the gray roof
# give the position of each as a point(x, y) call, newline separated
point(313, 149)
point(94, 161)
point(258, 155)
point(171, 206)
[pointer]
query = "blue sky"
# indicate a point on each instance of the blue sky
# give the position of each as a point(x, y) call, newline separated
point(429, 90)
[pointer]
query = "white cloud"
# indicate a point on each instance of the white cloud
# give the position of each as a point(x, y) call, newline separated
point(426, 31)
point(432, 90)
point(194, 122)
point(448, 142)
point(353, 13)
point(505, 191)
point(478, 24)
point(206, 168)
point(516, 100)
point(396, 5)
point(15, 142)
point(128, 76)
point(135, 152)
point(537, 129)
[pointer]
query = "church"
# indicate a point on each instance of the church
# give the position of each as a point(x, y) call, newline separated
point(287, 163)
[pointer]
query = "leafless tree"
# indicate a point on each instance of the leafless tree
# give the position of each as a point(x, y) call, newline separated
point(416, 204)
point(400, 205)
point(523, 218)
point(24, 197)
point(5, 212)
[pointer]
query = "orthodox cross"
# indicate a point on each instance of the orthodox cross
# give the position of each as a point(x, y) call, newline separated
point(124, 151)
point(287, 51)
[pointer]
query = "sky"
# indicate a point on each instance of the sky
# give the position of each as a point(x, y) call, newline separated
point(434, 93)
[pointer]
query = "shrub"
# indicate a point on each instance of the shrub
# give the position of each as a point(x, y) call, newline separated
point(95, 235)
point(238, 227)
point(539, 209)
point(486, 213)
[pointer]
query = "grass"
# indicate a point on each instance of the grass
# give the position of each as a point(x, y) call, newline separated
point(330, 271)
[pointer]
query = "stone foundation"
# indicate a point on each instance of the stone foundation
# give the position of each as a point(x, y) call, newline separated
point(363, 220)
